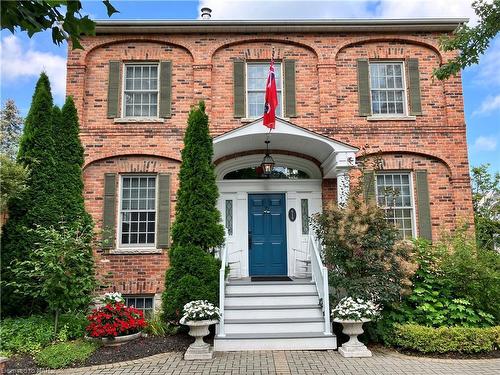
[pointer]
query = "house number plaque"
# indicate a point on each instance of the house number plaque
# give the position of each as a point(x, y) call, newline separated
point(292, 214)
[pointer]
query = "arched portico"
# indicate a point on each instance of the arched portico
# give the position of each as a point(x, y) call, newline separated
point(288, 201)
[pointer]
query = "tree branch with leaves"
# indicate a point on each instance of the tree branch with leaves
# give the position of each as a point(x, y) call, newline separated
point(470, 42)
point(63, 17)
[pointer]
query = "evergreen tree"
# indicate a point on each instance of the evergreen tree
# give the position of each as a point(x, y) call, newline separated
point(38, 203)
point(193, 272)
point(11, 127)
point(197, 219)
point(69, 161)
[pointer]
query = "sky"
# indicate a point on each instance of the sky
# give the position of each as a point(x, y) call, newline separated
point(22, 59)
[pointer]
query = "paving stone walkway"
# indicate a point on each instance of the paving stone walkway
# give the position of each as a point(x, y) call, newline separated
point(292, 363)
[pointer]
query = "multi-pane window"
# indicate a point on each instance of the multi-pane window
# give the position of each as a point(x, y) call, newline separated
point(141, 90)
point(138, 210)
point(387, 88)
point(256, 88)
point(395, 197)
point(143, 303)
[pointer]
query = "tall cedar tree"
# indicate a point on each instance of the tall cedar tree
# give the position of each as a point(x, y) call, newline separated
point(197, 219)
point(193, 272)
point(69, 161)
point(38, 203)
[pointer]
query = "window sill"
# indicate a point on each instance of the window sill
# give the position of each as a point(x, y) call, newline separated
point(133, 251)
point(127, 120)
point(391, 118)
point(251, 119)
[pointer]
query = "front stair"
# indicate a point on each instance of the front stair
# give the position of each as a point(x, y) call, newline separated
point(273, 315)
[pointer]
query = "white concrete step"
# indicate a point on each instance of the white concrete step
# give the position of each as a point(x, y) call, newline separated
point(269, 299)
point(273, 312)
point(253, 326)
point(275, 341)
point(307, 287)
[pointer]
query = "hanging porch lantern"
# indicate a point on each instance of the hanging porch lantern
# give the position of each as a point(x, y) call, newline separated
point(267, 164)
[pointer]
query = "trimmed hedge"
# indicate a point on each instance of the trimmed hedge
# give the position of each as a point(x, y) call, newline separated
point(446, 339)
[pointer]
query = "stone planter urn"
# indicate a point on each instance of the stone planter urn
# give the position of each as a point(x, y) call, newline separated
point(116, 341)
point(353, 348)
point(199, 349)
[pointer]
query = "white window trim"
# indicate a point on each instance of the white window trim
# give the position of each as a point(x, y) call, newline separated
point(132, 248)
point(412, 197)
point(124, 116)
point(251, 118)
point(385, 116)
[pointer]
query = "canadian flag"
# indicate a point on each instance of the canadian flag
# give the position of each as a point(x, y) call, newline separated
point(271, 99)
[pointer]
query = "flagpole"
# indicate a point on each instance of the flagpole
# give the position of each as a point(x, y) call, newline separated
point(272, 59)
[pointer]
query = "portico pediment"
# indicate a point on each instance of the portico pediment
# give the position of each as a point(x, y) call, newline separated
point(334, 156)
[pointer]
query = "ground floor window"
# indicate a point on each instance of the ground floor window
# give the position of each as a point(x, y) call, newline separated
point(394, 195)
point(138, 211)
point(143, 303)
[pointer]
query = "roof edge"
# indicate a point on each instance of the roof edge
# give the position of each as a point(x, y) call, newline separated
point(256, 26)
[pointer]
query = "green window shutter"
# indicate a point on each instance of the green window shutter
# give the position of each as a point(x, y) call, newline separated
point(423, 205)
point(369, 186)
point(113, 89)
point(163, 235)
point(239, 89)
point(414, 87)
point(289, 89)
point(364, 102)
point(165, 89)
point(109, 211)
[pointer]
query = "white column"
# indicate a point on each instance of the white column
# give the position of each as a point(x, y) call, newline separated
point(343, 187)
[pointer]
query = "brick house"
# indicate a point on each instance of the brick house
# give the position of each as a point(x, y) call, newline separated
point(343, 85)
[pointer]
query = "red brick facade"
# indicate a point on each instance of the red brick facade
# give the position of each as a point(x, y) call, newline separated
point(326, 103)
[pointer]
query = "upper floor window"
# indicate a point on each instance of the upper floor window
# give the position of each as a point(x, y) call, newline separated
point(256, 88)
point(140, 91)
point(394, 195)
point(387, 86)
point(138, 211)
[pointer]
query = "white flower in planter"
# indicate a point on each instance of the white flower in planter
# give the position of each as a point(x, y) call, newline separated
point(200, 310)
point(355, 309)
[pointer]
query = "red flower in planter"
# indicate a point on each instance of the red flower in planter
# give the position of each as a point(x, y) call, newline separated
point(115, 320)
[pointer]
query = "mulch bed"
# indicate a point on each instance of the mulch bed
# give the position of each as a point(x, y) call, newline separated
point(140, 348)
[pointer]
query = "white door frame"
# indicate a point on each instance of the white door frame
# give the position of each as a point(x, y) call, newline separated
point(294, 190)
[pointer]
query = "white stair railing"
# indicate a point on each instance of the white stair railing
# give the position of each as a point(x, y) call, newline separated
point(320, 278)
point(222, 289)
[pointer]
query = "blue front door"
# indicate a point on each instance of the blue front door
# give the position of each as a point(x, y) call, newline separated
point(267, 234)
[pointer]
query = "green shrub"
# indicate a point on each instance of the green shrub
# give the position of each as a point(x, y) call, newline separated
point(193, 275)
point(26, 335)
point(31, 334)
point(72, 326)
point(446, 339)
point(472, 272)
point(65, 353)
point(158, 327)
point(370, 261)
point(60, 268)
